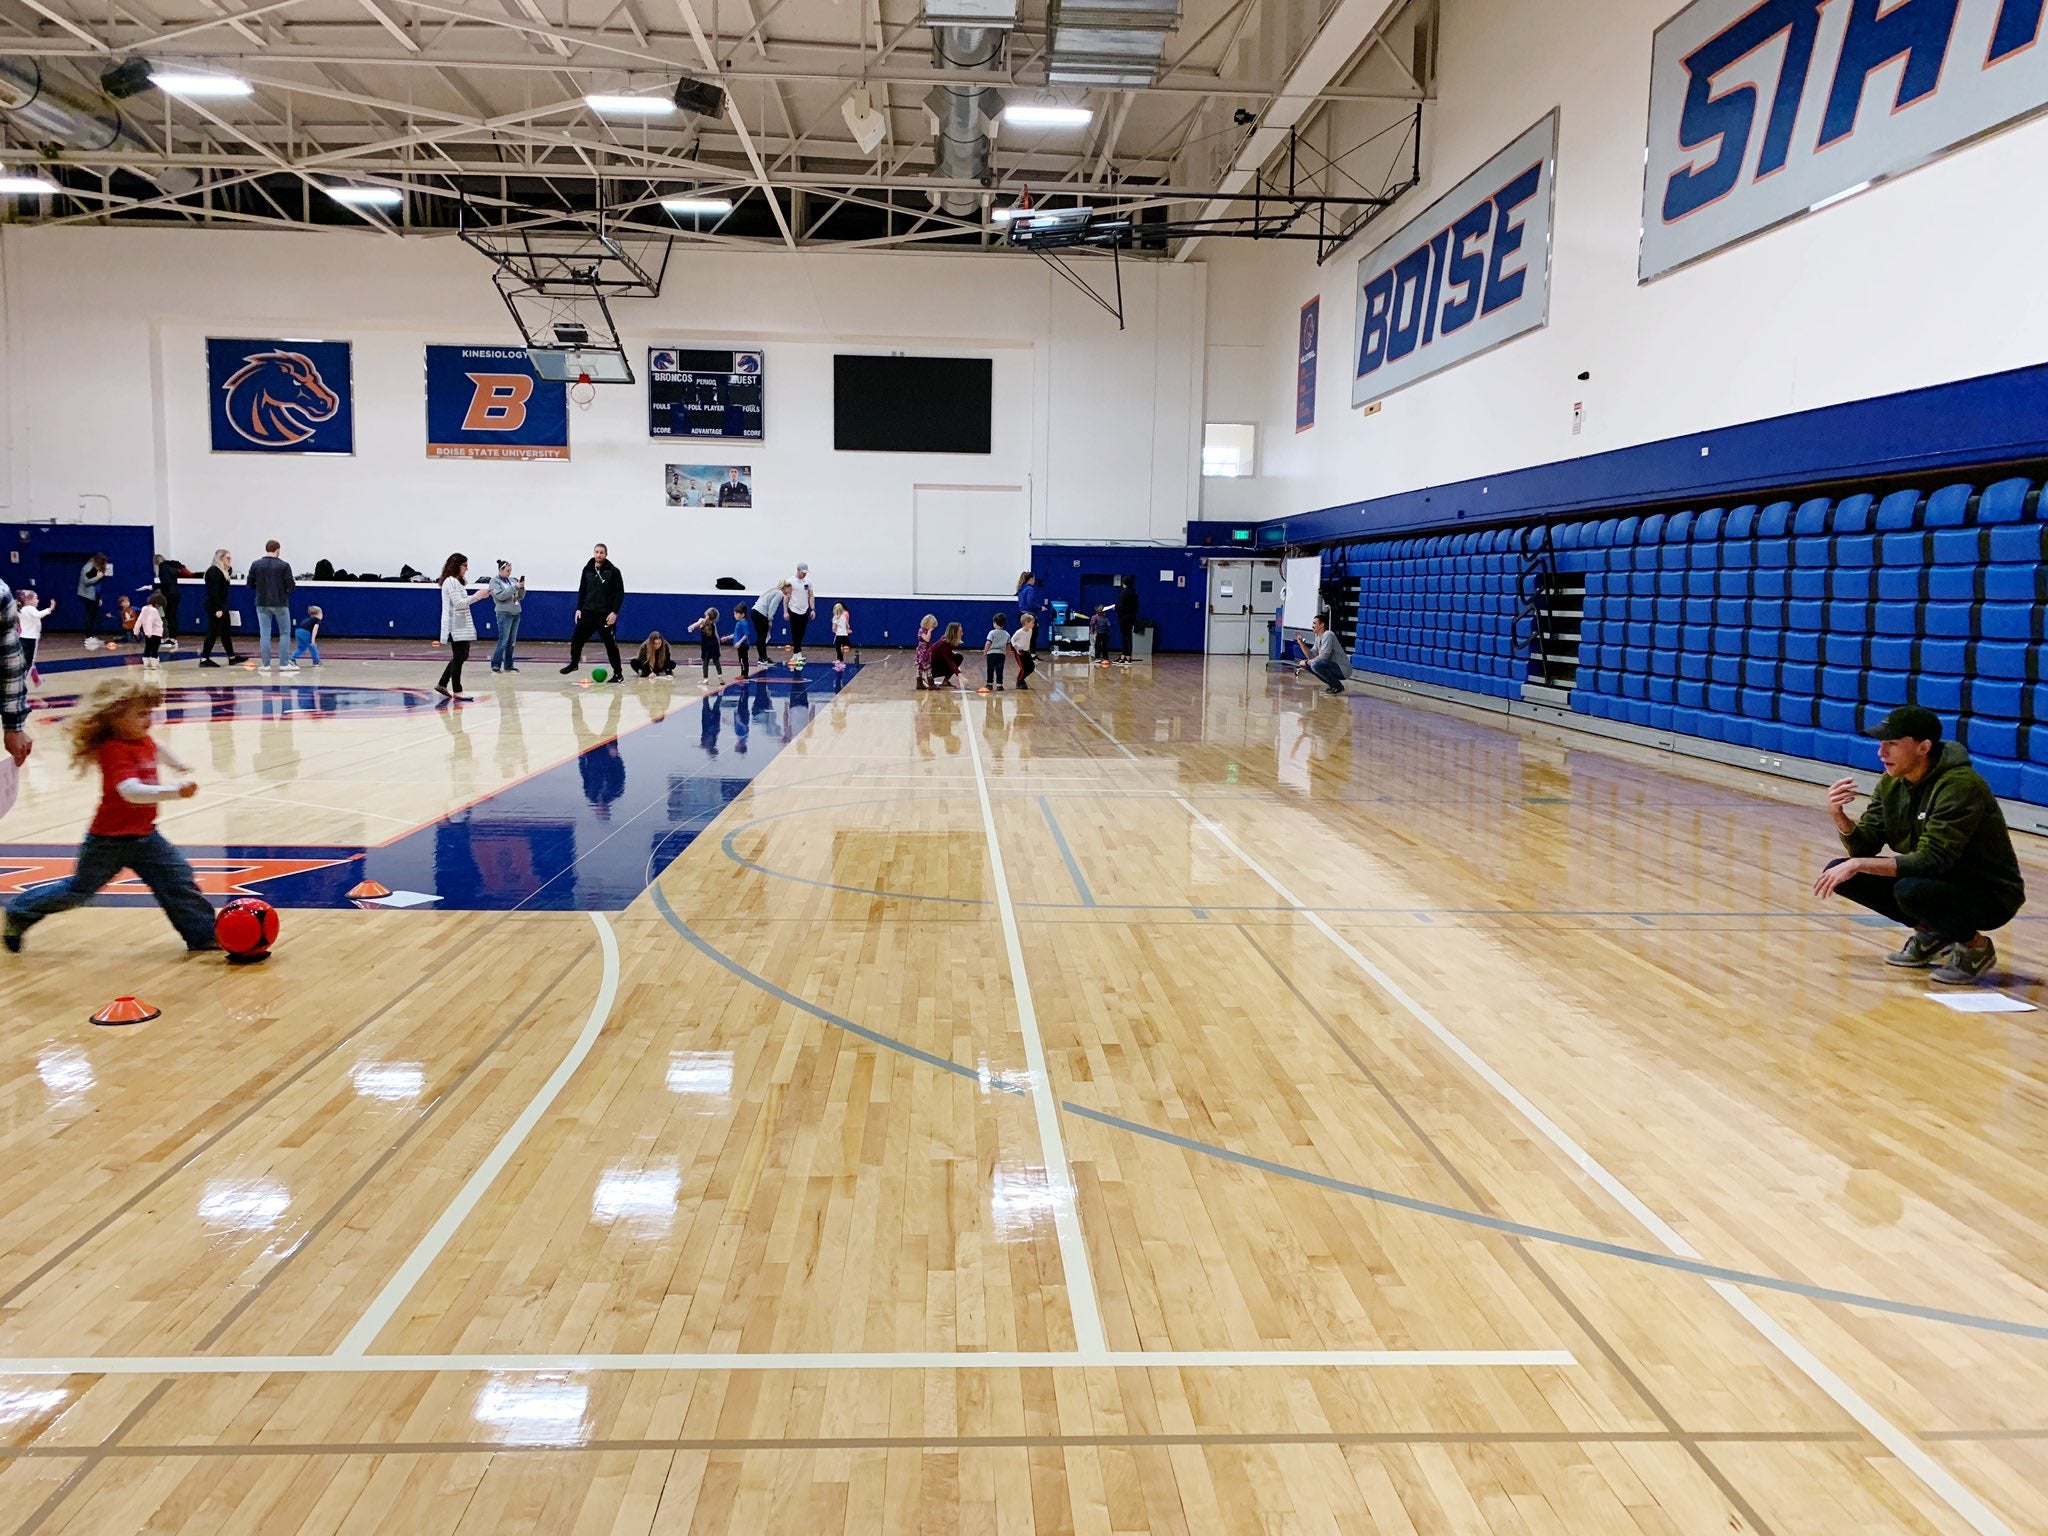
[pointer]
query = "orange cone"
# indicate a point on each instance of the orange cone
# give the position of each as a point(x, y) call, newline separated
point(367, 890)
point(127, 1010)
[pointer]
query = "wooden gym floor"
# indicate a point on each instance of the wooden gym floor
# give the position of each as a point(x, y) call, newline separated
point(1166, 1101)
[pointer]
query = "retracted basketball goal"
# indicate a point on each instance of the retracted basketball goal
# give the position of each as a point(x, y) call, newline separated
point(558, 284)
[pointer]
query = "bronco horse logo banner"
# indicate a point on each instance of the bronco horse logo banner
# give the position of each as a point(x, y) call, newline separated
point(280, 396)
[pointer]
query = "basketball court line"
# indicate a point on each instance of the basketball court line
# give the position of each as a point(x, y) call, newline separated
point(826, 1360)
point(1939, 1480)
point(1066, 1201)
point(409, 1274)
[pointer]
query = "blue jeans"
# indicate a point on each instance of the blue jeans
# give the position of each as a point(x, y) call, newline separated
point(156, 862)
point(303, 640)
point(1330, 672)
point(269, 619)
point(508, 636)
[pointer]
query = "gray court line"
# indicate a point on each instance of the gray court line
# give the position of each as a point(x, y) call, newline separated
point(1568, 1239)
point(1073, 868)
point(1365, 1191)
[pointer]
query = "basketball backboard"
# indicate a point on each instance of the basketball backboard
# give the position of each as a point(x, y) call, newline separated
point(600, 365)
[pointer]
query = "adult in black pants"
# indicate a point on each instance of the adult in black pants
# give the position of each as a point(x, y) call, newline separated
point(600, 593)
point(219, 609)
point(167, 573)
point(1127, 614)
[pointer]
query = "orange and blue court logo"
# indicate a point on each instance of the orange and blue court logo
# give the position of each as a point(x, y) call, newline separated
point(280, 396)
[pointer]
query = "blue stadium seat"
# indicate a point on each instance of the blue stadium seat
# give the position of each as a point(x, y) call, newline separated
point(1899, 510)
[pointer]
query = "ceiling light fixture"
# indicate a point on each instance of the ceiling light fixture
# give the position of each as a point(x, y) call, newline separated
point(687, 205)
point(1040, 114)
point(26, 186)
point(367, 197)
point(193, 85)
point(630, 106)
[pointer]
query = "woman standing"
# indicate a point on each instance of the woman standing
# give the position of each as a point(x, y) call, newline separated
point(1027, 596)
point(217, 610)
point(508, 597)
point(95, 571)
point(458, 627)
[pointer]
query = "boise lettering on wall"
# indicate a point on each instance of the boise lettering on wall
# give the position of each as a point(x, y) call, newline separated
point(488, 403)
point(1759, 112)
point(1471, 272)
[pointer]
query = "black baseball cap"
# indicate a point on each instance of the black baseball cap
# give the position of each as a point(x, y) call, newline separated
point(1908, 722)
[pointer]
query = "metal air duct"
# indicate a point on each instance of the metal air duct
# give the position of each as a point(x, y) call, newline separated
point(50, 115)
point(966, 35)
point(1108, 42)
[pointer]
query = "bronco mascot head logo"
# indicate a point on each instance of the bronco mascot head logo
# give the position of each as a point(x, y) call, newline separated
point(274, 396)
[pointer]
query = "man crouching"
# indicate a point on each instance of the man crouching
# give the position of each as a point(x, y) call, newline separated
point(1953, 875)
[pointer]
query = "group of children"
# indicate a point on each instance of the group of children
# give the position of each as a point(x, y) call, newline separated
point(938, 659)
point(748, 640)
point(147, 625)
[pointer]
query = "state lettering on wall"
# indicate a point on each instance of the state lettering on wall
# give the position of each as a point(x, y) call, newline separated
point(1760, 113)
point(1472, 271)
point(280, 396)
point(489, 403)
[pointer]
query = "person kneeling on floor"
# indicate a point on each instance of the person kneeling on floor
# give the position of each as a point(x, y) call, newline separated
point(1952, 875)
point(1322, 657)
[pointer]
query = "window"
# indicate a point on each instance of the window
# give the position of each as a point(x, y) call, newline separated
point(1229, 450)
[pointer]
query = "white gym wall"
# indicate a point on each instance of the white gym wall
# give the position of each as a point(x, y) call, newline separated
point(1916, 281)
point(104, 394)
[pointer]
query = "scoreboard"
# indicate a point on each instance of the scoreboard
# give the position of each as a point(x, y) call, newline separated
point(703, 394)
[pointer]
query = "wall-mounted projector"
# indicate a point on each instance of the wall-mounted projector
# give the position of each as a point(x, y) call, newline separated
point(866, 123)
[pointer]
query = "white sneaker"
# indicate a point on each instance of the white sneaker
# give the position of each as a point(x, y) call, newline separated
point(290, 666)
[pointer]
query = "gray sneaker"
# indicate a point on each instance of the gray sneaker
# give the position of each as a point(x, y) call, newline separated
point(1963, 965)
point(1920, 950)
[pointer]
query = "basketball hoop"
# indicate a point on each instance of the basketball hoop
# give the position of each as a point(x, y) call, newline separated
point(582, 392)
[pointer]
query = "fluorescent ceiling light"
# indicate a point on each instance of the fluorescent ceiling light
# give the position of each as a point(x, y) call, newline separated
point(199, 85)
point(697, 204)
point(1037, 114)
point(27, 186)
point(367, 197)
point(630, 106)
point(1004, 215)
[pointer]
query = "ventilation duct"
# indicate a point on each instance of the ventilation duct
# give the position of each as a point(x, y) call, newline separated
point(966, 35)
point(1108, 42)
point(47, 114)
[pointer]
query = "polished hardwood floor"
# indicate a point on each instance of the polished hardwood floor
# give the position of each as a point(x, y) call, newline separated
point(1166, 1100)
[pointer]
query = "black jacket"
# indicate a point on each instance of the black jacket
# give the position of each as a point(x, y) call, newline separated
point(1946, 827)
point(216, 589)
point(600, 591)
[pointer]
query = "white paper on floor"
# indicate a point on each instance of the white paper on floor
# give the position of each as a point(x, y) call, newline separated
point(1981, 1002)
point(401, 899)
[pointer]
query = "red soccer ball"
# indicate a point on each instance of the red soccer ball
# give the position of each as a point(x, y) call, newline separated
point(246, 928)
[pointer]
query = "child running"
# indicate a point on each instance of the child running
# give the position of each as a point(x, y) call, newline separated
point(992, 649)
point(842, 633)
point(31, 626)
point(306, 638)
point(706, 631)
point(742, 635)
point(929, 623)
point(1022, 639)
point(149, 629)
point(111, 731)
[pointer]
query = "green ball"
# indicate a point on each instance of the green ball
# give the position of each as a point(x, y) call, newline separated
point(598, 674)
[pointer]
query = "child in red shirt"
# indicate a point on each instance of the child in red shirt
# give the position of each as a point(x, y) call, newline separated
point(111, 732)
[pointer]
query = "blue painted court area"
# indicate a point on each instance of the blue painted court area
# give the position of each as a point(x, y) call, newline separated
point(586, 835)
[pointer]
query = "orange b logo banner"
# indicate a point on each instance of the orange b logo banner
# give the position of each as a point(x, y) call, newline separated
point(489, 403)
point(499, 404)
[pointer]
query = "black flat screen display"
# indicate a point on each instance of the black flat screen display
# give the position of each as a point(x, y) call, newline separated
point(912, 404)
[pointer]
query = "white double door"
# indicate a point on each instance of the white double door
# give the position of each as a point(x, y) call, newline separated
point(971, 540)
point(1244, 597)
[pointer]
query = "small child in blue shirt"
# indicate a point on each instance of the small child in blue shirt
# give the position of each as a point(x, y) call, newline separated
point(306, 634)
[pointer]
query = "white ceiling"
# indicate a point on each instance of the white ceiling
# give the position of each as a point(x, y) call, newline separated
point(480, 102)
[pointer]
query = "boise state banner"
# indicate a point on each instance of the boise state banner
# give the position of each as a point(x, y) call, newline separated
point(280, 396)
point(1760, 113)
point(1468, 273)
point(1305, 364)
point(488, 403)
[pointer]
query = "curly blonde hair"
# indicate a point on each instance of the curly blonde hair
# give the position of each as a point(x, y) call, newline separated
point(111, 697)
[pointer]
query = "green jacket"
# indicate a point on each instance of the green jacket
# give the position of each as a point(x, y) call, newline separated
point(1946, 827)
